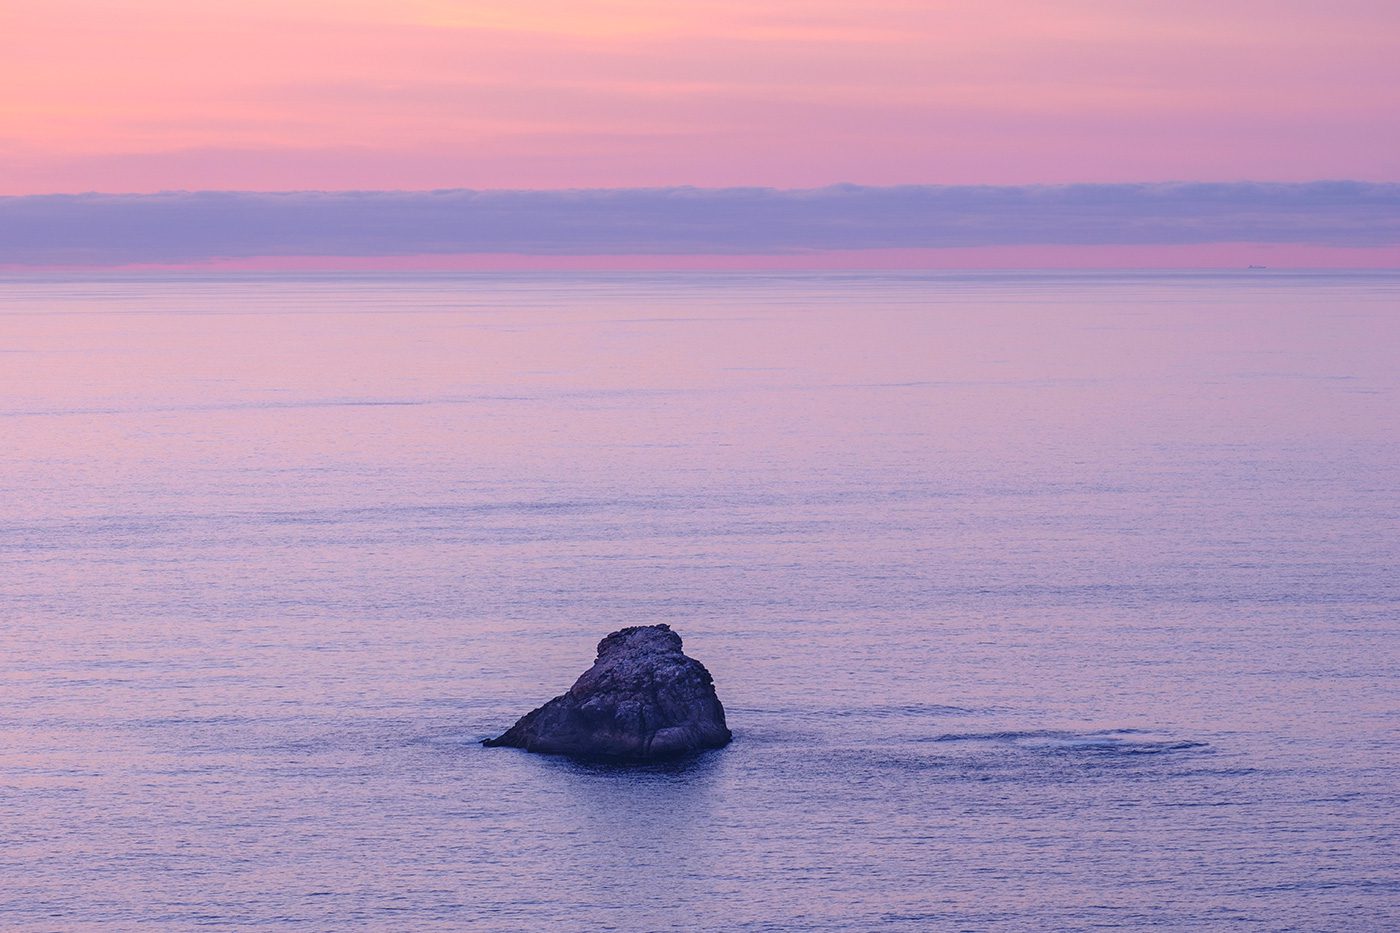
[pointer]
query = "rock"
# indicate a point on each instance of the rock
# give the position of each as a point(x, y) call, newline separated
point(641, 699)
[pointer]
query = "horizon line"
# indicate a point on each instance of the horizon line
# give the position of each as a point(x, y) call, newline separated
point(830, 186)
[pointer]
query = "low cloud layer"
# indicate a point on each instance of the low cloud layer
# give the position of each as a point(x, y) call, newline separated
point(186, 227)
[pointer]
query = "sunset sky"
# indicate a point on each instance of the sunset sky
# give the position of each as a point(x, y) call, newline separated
point(282, 95)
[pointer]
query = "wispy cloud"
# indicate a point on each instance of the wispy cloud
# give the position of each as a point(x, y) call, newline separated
point(184, 227)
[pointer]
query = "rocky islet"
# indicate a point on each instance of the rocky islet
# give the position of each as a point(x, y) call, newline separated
point(642, 699)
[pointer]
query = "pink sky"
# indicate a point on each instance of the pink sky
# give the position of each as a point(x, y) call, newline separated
point(146, 95)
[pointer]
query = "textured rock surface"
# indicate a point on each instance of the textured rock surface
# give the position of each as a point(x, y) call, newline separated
point(642, 698)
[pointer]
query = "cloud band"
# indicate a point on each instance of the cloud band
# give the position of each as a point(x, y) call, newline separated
point(182, 227)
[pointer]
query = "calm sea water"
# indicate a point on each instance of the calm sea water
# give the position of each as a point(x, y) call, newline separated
point(1046, 602)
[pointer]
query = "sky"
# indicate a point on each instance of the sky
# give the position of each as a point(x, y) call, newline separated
point(144, 96)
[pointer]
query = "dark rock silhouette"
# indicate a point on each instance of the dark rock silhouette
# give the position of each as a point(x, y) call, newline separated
point(641, 699)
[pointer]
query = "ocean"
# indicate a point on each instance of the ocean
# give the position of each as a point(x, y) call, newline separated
point(1054, 601)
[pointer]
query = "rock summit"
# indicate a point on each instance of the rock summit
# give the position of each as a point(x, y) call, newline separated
point(642, 699)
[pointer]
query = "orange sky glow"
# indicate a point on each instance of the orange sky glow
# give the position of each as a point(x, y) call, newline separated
point(148, 95)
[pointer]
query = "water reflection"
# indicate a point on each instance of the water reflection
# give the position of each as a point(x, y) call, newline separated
point(275, 553)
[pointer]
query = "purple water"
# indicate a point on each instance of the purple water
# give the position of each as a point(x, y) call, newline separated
point(1036, 601)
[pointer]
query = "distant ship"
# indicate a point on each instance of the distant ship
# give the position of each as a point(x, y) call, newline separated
point(1256, 267)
